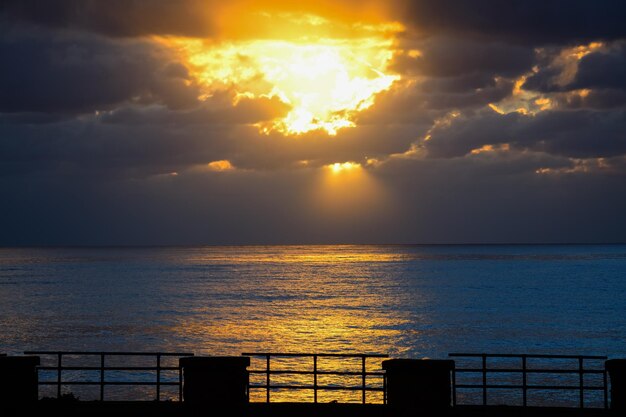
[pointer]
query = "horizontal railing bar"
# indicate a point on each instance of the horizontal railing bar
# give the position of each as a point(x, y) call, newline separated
point(288, 372)
point(319, 387)
point(107, 368)
point(321, 355)
point(70, 353)
point(108, 383)
point(514, 355)
point(535, 387)
point(530, 371)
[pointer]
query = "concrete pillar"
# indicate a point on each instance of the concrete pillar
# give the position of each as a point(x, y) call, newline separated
point(617, 374)
point(18, 380)
point(218, 381)
point(419, 384)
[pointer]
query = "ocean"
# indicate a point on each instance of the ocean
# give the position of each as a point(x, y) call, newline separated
point(405, 301)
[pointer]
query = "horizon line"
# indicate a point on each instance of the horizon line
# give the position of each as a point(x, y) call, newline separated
point(200, 245)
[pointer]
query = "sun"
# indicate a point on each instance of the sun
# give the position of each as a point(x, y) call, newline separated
point(325, 82)
point(339, 167)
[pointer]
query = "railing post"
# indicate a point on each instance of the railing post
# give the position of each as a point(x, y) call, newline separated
point(484, 363)
point(158, 377)
point(581, 381)
point(606, 388)
point(102, 377)
point(616, 369)
point(524, 382)
point(180, 383)
point(59, 364)
point(267, 378)
point(418, 385)
point(363, 377)
point(19, 383)
point(315, 379)
point(453, 387)
point(215, 382)
point(385, 388)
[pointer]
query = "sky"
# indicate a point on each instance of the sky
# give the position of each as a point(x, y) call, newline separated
point(161, 122)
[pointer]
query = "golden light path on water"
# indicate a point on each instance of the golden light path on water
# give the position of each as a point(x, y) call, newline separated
point(323, 301)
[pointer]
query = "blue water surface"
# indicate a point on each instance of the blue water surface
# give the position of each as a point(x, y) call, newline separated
point(409, 301)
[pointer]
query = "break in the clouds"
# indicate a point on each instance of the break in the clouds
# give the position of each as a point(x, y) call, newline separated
point(155, 122)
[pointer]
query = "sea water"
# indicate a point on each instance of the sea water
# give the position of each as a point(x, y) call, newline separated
point(405, 301)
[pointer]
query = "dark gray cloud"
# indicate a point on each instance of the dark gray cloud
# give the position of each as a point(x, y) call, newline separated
point(603, 99)
point(456, 57)
point(573, 133)
point(219, 109)
point(544, 80)
point(491, 92)
point(50, 73)
point(465, 133)
point(455, 73)
point(535, 22)
point(521, 21)
point(116, 17)
point(436, 201)
point(601, 70)
point(604, 69)
point(497, 197)
point(118, 146)
point(578, 134)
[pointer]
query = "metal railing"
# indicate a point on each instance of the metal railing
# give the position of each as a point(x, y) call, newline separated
point(315, 373)
point(102, 368)
point(524, 369)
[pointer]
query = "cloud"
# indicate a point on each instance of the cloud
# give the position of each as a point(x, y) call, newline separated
point(571, 133)
point(599, 99)
point(218, 109)
point(498, 197)
point(195, 18)
point(50, 73)
point(138, 143)
point(118, 17)
point(520, 21)
point(456, 57)
point(481, 198)
point(599, 67)
point(530, 22)
point(603, 69)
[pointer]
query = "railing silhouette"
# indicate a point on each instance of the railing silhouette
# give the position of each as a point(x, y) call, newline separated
point(527, 373)
point(525, 370)
point(102, 368)
point(268, 371)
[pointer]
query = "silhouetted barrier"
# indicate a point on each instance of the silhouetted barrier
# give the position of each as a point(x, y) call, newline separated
point(219, 381)
point(616, 369)
point(404, 384)
point(419, 384)
point(18, 380)
point(524, 370)
point(102, 368)
point(315, 373)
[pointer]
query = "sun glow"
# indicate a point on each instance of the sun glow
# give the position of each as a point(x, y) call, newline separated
point(338, 167)
point(325, 82)
point(219, 166)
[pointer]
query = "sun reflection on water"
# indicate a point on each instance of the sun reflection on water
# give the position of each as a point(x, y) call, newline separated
point(229, 300)
point(302, 301)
